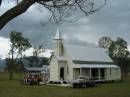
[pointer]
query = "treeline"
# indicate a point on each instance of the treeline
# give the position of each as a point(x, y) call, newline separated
point(29, 61)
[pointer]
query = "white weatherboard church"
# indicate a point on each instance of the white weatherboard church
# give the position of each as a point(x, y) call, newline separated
point(70, 61)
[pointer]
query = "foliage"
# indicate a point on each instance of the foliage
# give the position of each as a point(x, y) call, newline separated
point(19, 64)
point(124, 63)
point(41, 61)
point(36, 52)
point(120, 54)
point(18, 45)
point(118, 51)
point(104, 42)
point(120, 48)
point(8, 63)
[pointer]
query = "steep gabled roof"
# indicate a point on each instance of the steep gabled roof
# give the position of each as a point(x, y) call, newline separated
point(84, 53)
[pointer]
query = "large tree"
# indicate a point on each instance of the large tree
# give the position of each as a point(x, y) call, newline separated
point(120, 54)
point(118, 51)
point(58, 8)
point(18, 45)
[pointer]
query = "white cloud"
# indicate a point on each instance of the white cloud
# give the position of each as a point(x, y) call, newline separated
point(129, 48)
point(4, 47)
point(112, 20)
point(46, 53)
point(6, 4)
point(28, 52)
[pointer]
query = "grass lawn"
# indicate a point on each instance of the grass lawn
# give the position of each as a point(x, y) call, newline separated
point(15, 89)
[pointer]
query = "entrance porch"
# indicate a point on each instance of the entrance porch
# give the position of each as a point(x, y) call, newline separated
point(97, 74)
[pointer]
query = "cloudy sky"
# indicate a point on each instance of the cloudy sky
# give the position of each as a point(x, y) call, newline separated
point(112, 20)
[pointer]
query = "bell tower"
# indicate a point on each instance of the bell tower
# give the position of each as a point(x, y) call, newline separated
point(58, 46)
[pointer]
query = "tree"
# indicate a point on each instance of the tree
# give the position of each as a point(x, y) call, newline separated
point(18, 45)
point(104, 42)
point(36, 52)
point(8, 63)
point(120, 54)
point(118, 51)
point(44, 61)
point(119, 48)
point(58, 8)
point(20, 65)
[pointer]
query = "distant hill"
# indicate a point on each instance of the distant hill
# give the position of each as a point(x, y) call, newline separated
point(32, 61)
point(2, 63)
point(27, 61)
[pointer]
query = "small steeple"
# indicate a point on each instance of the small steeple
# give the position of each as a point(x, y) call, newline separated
point(58, 35)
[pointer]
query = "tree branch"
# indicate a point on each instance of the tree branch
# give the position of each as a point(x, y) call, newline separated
point(16, 11)
point(59, 8)
point(0, 2)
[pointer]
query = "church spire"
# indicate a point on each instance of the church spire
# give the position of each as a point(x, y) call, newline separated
point(58, 35)
point(58, 43)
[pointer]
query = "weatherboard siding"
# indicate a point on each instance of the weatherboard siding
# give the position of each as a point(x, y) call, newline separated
point(54, 69)
point(113, 74)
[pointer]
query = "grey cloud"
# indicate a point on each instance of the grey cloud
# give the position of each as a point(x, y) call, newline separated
point(29, 24)
point(75, 40)
point(112, 20)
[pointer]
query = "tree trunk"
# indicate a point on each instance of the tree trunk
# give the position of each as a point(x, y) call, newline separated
point(15, 11)
point(122, 77)
point(0, 2)
point(12, 63)
point(11, 70)
point(11, 74)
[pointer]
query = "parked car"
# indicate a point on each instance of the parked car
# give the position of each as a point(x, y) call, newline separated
point(83, 82)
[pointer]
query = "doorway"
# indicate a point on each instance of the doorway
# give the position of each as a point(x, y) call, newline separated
point(62, 73)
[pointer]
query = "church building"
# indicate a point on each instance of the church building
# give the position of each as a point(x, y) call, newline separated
point(69, 61)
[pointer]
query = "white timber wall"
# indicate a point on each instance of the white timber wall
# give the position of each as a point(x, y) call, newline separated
point(113, 74)
point(76, 72)
point(70, 75)
point(54, 70)
point(58, 47)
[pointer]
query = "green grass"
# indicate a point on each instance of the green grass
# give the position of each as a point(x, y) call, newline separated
point(15, 89)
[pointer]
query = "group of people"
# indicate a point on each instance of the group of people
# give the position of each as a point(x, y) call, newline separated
point(32, 79)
